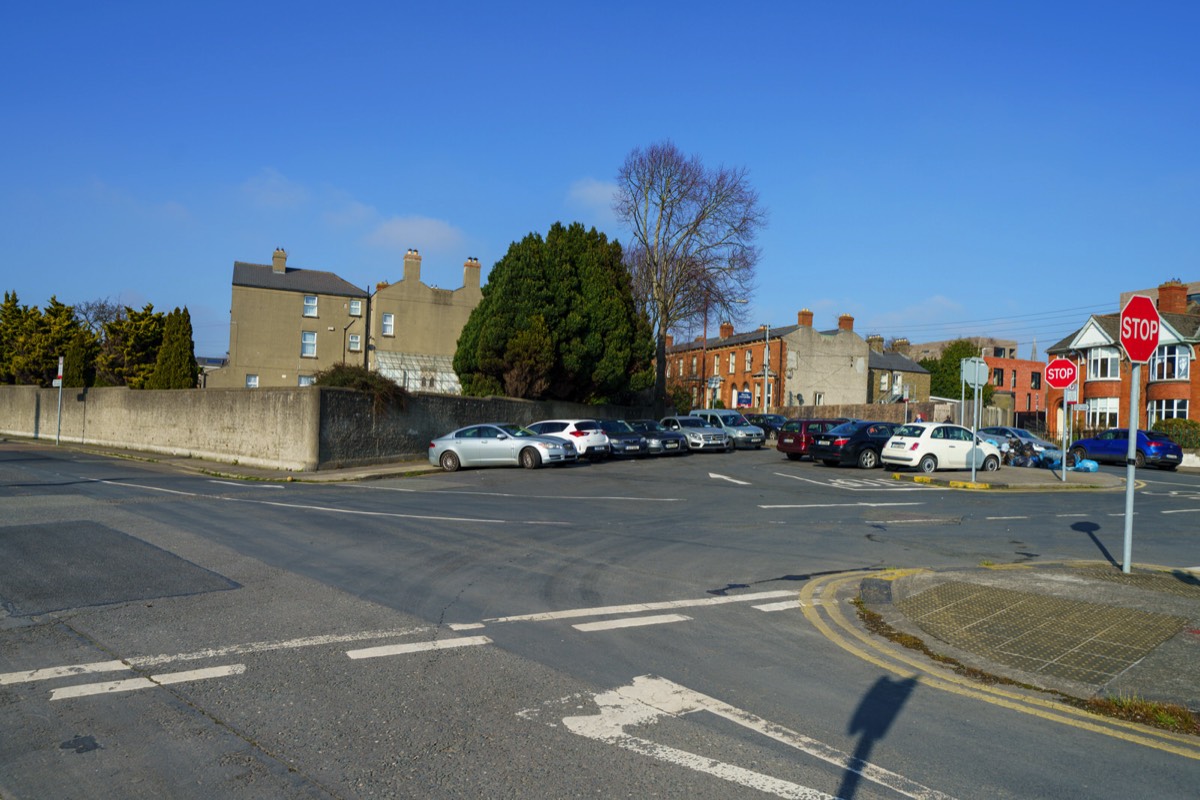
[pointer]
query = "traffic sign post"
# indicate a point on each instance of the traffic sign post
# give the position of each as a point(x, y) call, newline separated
point(974, 371)
point(1061, 373)
point(1140, 328)
point(58, 382)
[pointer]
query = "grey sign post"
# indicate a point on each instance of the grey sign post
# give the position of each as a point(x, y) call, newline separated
point(974, 373)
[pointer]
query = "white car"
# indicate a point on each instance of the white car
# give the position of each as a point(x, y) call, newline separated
point(586, 434)
point(931, 446)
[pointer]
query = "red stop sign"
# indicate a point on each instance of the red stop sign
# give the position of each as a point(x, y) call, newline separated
point(1061, 373)
point(1140, 326)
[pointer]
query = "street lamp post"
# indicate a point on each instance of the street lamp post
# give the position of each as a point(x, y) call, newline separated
point(348, 324)
point(766, 368)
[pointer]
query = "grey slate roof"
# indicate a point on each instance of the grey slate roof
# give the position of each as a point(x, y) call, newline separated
point(737, 339)
point(894, 362)
point(1188, 326)
point(308, 281)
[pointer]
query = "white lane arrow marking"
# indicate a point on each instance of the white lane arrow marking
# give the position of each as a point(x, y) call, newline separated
point(650, 697)
point(727, 478)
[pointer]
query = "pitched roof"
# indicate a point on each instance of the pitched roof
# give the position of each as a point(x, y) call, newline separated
point(1186, 325)
point(716, 343)
point(312, 281)
point(894, 362)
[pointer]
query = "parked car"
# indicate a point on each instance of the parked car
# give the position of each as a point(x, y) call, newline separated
point(770, 423)
point(1153, 448)
point(796, 435)
point(624, 440)
point(741, 432)
point(1002, 432)
point(586, 434)
point(660, 440)
point(857, 442)
point(930, 446)
point(498, 444)
point(700, 435)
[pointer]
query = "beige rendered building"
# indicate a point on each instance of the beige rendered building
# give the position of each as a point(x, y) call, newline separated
point(286, 324)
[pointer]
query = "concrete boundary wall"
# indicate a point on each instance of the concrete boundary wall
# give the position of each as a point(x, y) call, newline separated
point(301, 429)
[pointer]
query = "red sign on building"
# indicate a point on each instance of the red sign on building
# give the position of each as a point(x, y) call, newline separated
point(1140, 326)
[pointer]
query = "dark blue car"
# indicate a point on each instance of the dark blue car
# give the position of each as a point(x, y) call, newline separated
point(1112, 446)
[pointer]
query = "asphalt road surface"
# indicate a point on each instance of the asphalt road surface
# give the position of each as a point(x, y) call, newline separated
point(641, 629)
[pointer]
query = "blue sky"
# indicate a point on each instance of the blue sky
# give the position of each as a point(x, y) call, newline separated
point(935, 169)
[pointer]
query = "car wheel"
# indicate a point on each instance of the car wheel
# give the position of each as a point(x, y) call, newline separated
point(449, 461)
point(829, 462)
point(1139, 460)
point(868, 459)
point(991, 464)
point(928, 464)
point(1079, 454)
point(530, 458)
point(793, 456)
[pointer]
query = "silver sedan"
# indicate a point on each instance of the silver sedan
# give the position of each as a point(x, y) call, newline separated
point(498, 444)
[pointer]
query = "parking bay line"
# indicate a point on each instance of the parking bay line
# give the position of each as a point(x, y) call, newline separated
point(134, 684)
point(629, 622)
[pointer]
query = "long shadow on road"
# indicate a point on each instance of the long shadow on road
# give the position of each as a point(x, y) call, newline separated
point(874, 715)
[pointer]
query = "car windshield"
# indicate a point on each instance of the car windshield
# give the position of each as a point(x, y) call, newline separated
point(645, 425)
point(735, 419)
point(615, 426)
point(691, 422)
point(913, 431)
point(515, 430)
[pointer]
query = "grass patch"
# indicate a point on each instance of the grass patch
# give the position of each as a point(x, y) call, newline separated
point(1131, 708)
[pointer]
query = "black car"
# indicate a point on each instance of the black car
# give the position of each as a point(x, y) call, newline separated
point(852, 443)
point(770, 423)
point(661, 440)
point(624, 440)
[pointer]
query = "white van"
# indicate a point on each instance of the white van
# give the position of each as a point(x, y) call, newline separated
point(742, 433)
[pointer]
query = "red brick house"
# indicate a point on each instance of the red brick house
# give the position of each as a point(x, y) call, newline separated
point(1170, 386)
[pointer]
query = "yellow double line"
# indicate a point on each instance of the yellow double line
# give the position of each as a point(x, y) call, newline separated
point(819, 603)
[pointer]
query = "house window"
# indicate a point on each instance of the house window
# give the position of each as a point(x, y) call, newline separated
point(251, 381)
point(308, 344)
point(885, 381)
point(306, 380)
point(818, 398)
point(998, 352)
point(716, 365)
point(732, 362)
point(998, 376)
point(356, 308)
point(1103, 364)
point(1168, 363)
point(1035, 380)
point(389, 324)
point(1167, 409)
point(1102, 412)
point(1014, 379)
point(693, 365)
point(355, 343)
point(749, 361)
point(310, 305)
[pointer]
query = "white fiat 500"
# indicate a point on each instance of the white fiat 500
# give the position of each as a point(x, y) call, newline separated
point(931, 446)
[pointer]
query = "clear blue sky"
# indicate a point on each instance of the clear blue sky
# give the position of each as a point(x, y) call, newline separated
point(933, 168)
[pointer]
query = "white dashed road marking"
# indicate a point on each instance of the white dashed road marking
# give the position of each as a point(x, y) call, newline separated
point(629, 622)
point(134, 684)
point(418, 647)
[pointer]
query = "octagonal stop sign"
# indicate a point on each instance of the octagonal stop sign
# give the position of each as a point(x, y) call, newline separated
point(1061, 373)
point(1140, 326)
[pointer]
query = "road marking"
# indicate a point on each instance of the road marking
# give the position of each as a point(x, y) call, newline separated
point(649, 698)
point(418, 647)
point(727, 478)
point(246, 485)
point(134, 684)
point(783, 606)
point(216, 652)
point(352, 485)
point(899, 521)
point(844, 505)
point(636, 608)
point(629, 622)
point(849, 484)
point(466, 626)
point(1072, 515)
point(1006, 517)
point(1181, 511)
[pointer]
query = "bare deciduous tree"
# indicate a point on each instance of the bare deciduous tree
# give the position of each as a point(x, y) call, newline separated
point(693, 249)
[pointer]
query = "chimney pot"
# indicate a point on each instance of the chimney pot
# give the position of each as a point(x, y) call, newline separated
point(279, 261)
point(726, 330)
point(846, 322)
point(804, 318)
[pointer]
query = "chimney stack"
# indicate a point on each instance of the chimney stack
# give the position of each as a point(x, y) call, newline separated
point(670, 341)
point(845, 322)
point(1172, 297)
point(804, 318)
point(279, 261)
point(875, 342)
point(900, 346)
point(412, 266)
point(471, 273)
point(726, 330)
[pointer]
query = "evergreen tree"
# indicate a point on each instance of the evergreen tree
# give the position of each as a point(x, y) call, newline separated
point(175, 366)
point(79, 361)
point(557, 320)
point(945, 373)
point(129, 351)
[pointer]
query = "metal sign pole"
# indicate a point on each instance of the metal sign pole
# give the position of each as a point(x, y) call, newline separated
point(1130, 466)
